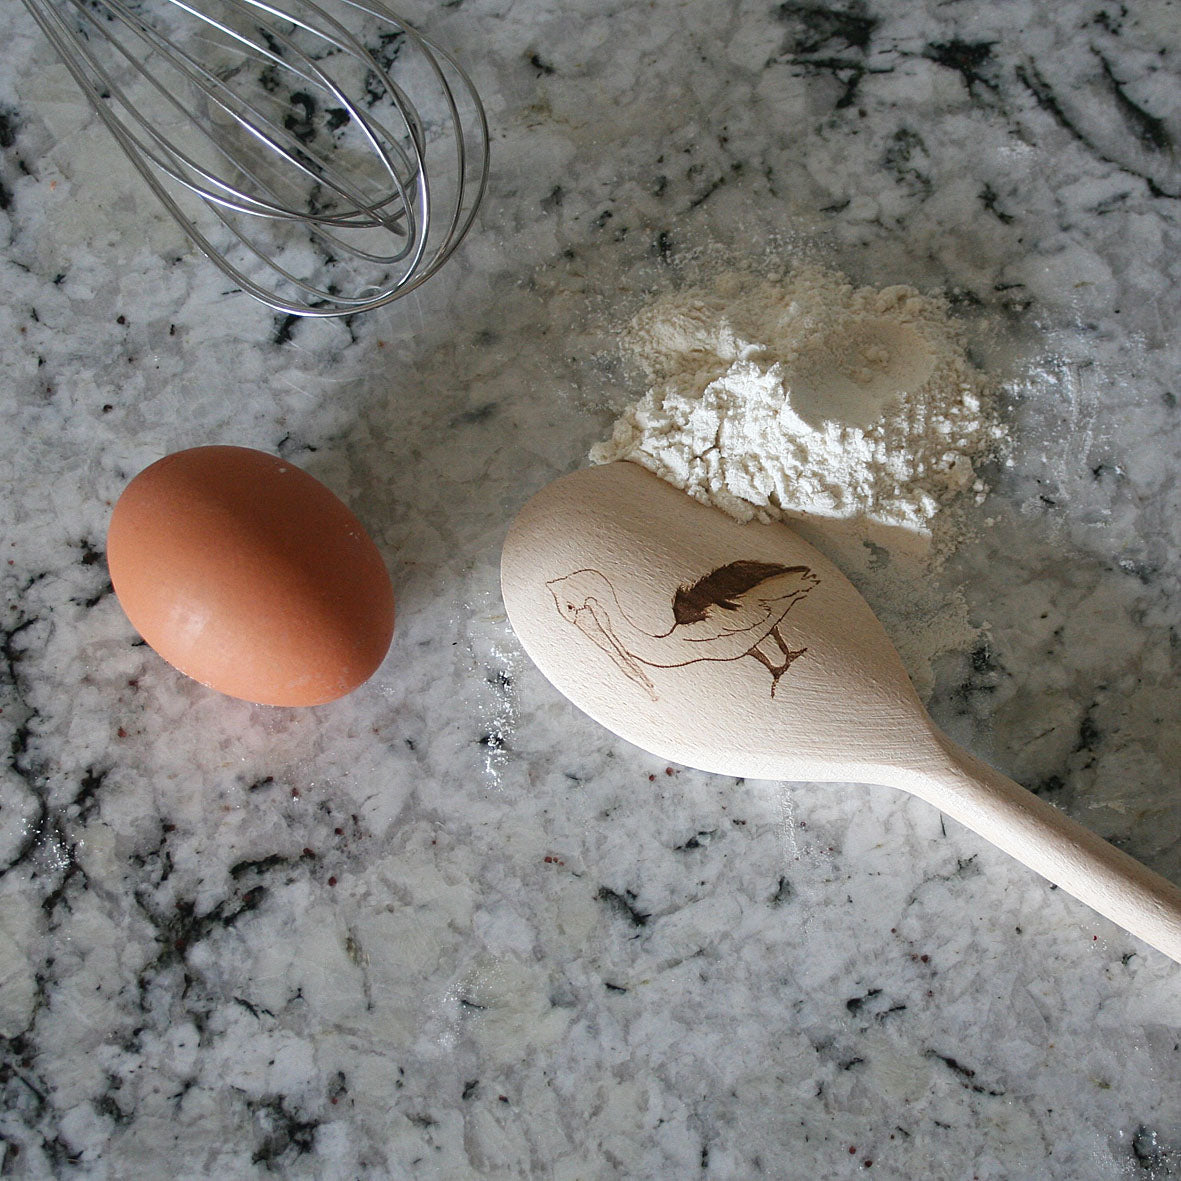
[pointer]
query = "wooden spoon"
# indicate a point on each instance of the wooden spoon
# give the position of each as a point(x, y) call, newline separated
point(741, 650)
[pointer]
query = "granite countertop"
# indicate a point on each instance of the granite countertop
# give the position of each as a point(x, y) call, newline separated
point(448, 927)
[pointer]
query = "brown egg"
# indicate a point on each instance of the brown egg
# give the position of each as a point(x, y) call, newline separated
point(250, 576)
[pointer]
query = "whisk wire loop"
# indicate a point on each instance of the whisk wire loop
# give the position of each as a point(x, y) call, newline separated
point(316, 185)
point(183, 167)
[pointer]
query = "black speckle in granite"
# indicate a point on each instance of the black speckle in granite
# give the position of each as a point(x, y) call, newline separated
point(903, 156)
point(10, 652)
point(960, 298)
point(106, 1103)
point(965, 867)
point(1147, 128)
point(1051, 785)
point(849, 75)
point(662, 246)
point(8, 126)
point(969, 59)
point(982, 659)
point(1089, 737)
point(250, 901)
point(1170, 399)
point(1149, 1155)
point(261, 784)
point(826, 40)
point(160, 857)
point(316, 206)
point(386, 53)
point(283, 329)
point(988, 198)
point(622, 904)
point(493, 741)
point(19, 1093)
point(260, 866)
point(812, 27)
point(185, 1087)
point(697, 841)
point(1044, 96)
point(613, 987)
point(1109, 205)
point(1112, 24)
point(66, 862)
point(284, 1133)
point(255, 1011)
point(854, 1003)
point(710, 189)
point(38, 829)
point(470, 1088)
point(271, 43)
point(268, 78)
point(784, 891)
point(476, 415)
point(965, 1074)
point(87, 798)
point(59, 1153)
point(301, 122)
point(542, 67)
point(96, 598)
point(180, 927)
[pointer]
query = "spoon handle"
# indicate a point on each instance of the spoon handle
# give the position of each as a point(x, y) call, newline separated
point(1051, 843)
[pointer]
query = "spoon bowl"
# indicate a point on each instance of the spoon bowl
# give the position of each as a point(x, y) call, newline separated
point(741, 650)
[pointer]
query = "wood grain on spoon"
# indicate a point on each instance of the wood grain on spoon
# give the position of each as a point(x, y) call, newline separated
point(741, 650)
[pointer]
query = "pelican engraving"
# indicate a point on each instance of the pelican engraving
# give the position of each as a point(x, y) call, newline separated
point(731, 612)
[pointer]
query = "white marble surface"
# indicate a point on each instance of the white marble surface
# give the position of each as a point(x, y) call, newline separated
point(447, 927)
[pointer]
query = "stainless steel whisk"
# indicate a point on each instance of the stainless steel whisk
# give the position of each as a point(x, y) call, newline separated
point(326, 169)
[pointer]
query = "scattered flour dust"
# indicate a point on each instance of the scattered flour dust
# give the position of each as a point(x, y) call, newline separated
point(850, 412)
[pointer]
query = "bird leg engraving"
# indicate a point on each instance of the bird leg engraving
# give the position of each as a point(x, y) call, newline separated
point(788, 656)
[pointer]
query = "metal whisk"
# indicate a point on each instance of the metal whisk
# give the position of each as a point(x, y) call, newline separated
point(325, 168)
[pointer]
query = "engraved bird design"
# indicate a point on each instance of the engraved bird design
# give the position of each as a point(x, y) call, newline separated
point(731, 612)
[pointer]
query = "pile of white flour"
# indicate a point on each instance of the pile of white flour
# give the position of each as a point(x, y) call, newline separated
point(810, 396)
point(851, 412)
